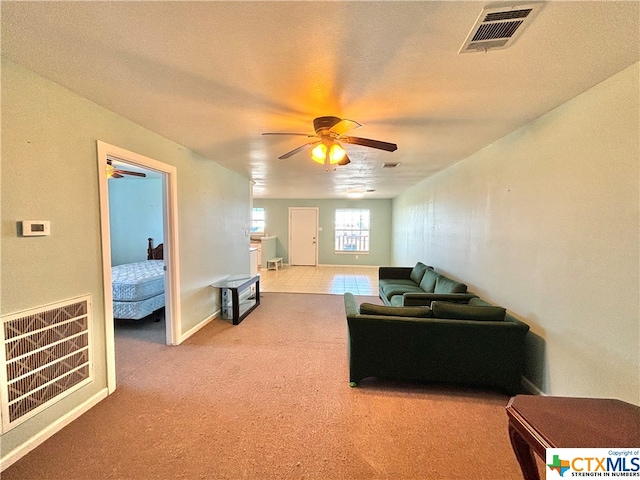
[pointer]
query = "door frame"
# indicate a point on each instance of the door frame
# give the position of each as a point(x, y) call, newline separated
point(171, 250)
point(317, 216)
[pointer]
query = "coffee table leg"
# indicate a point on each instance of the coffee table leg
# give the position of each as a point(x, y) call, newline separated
point(524, 455)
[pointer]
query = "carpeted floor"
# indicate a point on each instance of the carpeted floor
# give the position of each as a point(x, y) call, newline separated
point(270, 399)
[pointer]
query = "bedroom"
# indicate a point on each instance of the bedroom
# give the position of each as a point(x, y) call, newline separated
point(136, 221)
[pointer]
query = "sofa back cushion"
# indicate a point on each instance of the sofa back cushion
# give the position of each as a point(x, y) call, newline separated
point(416, 312)
point(428, 282)
point(446, 285)
point(478, 302)
point(418, 272)
point(456, 311)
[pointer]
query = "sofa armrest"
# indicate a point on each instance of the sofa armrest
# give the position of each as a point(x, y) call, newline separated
point(425, 299)
point(350, 305)
point(394, 272)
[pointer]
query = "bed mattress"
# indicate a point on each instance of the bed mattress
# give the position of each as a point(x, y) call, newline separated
point(133, 282)
point(139, 309)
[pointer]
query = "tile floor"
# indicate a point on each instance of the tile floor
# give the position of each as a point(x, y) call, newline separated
point(333, 280)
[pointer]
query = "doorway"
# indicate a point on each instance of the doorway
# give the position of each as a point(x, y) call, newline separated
point(170, 238)
point(303, 236)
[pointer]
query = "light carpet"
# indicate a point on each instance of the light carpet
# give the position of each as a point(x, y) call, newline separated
point(270, 399)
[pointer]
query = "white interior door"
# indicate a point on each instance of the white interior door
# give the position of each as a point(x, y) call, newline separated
point(303, 236)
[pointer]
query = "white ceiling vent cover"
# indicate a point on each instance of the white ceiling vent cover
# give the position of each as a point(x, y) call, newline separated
point(499, 27)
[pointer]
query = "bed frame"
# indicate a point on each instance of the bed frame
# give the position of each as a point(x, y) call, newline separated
point(155, 253)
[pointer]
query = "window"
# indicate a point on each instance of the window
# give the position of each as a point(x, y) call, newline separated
point(352, 230)
point(257, 220)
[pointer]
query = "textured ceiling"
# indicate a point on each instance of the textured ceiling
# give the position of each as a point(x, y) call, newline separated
point(212, 76)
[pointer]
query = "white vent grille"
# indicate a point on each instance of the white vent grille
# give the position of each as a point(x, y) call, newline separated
point(498, 28)
point(45, 356)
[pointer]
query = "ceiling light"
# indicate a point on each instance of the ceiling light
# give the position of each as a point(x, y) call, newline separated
point(355, 194)
point(328, 153)
point(319, 153)
point(336, 153)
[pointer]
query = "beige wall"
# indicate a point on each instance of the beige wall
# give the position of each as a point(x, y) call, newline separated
point(49, 172)
point(545, 222)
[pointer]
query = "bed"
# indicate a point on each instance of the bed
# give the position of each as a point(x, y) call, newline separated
point(138, 288)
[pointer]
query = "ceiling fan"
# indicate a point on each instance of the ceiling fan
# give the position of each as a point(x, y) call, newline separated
point(330, 131)
point(113, 172)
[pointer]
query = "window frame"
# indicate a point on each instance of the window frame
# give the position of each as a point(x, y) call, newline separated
point(360, 237)
point(255, 228)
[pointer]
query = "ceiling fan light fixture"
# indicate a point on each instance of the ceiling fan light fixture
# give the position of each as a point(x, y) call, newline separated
point(319, 153)
point(328, 151)
point(336, 154)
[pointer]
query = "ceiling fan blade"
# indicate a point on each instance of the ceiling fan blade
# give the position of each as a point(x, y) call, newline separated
point(126, 172)
point(344, 161)
point(296, 150)
point(344, 126)
point(288, 133)
point(367, 142)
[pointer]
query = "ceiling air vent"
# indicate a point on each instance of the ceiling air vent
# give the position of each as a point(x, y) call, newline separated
point(390, 164)
point(498, 28)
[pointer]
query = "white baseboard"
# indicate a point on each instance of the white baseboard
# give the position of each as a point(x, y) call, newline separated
point(200, 325)
point(285, 264)
point(347, 266)
point(531, 388)
point(20, 451)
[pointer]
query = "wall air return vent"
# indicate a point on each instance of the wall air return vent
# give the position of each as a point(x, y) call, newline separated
point(498, 28)
point(45, 355)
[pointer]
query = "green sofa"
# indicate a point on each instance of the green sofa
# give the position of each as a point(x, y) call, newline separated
point(475, 344)
point(418, 285)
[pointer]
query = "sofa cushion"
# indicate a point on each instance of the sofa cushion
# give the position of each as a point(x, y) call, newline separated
point(397, 301)
point(457, 311)
point(390, 289)
point(478, 302)
point(428, 282)
point(396, 281)
point(446, 285)
point(416, 312)
point(418, 272)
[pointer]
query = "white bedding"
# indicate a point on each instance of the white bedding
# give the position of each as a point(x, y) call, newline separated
point(138, 288)
point(137, 281)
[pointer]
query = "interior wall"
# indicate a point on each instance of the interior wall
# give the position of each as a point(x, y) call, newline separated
point(135, 215)
point(545, 222)
point(277, 223)
point(49, 172)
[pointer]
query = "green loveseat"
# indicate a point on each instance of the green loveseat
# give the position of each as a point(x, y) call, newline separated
point(436, 344)
point(418, 285)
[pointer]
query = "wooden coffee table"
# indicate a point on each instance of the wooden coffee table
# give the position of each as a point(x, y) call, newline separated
point(537, 423)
